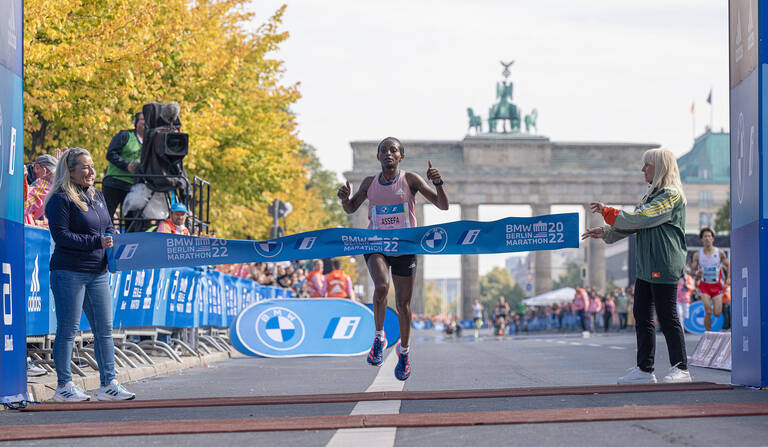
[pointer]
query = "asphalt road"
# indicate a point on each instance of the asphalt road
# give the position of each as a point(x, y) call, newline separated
point(439, 363)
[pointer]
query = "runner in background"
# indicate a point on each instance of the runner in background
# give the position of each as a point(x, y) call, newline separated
point(316, 284)
point(391, 196)
point(477, 315)
point(501, 316)
point(708, 264)
point(338, 283)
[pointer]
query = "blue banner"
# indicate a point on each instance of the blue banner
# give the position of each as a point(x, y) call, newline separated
point(13, 376)
point(748, 60)
point(695, 321)
point(303, 327)
point(153, 250)
point(176, 298)
point(40, 317)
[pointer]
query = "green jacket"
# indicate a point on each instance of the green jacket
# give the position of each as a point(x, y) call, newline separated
point(123, 149)
point(659, 222)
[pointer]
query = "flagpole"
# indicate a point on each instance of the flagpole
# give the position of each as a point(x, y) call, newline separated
point(711, 112)
point(693, 121)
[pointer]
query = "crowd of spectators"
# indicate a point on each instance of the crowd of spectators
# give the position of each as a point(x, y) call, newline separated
point(288, 274)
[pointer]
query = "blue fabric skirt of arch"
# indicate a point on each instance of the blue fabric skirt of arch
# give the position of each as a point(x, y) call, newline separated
point(134, 251)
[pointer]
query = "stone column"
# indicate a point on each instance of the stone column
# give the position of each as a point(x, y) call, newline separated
point(470, 270)
point(595, 253)
point(417, 300)
point(542, 259)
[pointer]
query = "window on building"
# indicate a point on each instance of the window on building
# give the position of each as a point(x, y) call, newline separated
point(705, 173)
point(705, 198)
point(705, 220)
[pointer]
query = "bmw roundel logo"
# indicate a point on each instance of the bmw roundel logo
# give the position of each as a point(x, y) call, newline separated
point(280, 329)
point(268, 249)
point(695, 321)
point(434, 240)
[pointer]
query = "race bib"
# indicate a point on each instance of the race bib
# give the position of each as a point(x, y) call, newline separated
point(710, 275)
point(387, 217)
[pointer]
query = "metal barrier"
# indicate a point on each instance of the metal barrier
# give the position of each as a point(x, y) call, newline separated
point(169, 312)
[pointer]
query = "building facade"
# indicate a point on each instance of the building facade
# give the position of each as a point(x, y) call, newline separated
point(705, 173)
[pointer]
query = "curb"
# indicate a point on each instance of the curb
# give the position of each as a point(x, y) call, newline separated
point(41, 392)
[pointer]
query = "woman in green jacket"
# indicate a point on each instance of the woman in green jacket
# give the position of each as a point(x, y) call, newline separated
point(659, 223)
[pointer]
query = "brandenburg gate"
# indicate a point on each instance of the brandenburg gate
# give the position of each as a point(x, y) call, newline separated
point(513, 168)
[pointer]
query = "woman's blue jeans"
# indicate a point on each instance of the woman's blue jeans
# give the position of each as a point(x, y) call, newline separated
point(74, 292)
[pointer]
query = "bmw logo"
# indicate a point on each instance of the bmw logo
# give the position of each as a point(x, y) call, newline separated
point(268, 249)
point(695, 321)
point(434, 240)
point(280, 329)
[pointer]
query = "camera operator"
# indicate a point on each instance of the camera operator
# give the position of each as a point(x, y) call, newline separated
point(123, 154)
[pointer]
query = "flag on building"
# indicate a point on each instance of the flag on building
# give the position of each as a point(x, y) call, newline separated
point(692, 104)
point(709, 98)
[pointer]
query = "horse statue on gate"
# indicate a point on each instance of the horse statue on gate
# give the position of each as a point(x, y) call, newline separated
point(504, 110)
point(530, 121)
point(475, 121)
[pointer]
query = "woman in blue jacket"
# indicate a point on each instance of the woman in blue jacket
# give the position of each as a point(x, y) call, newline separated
point(79, 223)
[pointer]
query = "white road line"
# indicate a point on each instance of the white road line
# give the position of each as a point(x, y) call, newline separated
point(615, 347)
point(561, 342)
point(374, 437)
point(595, 345)
point(574, 343)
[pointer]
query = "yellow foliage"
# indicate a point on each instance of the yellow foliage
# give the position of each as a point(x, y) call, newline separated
point(90, 65)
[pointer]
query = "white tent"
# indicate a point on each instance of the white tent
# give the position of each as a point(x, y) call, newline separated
point(563, 295)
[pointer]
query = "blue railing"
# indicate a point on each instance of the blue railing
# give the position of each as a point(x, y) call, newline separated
point(176, 298)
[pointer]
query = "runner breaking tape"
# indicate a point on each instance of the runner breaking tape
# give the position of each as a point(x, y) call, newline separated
point(391, 196)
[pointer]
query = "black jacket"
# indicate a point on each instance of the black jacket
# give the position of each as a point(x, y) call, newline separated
point(78, 233)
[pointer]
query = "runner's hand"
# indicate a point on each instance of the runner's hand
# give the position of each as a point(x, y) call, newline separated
point(433, 174)
point(597, 207)
point(106, 242)
point(596, 233)
point(344, 191)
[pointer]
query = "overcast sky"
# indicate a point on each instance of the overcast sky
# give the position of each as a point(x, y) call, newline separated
point(595, 70)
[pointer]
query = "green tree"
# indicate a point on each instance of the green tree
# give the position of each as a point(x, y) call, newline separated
point(89, 65)
point(497, 283)
point(723, 218)
point(570, 278)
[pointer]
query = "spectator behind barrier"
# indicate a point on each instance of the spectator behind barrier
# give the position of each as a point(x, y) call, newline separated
point(338, 283)
point(44, 169)
point(316, 283)
point(123, 154)
point(176, 221)
point(80, 226)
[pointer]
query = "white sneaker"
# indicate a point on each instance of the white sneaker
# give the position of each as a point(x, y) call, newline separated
point(70, 393)
point(114, 391)
point(677, 375)
point(637, 375)
point(34, 370)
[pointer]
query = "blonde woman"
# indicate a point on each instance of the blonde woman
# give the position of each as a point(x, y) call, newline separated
point(79, 223)
point(659, 222)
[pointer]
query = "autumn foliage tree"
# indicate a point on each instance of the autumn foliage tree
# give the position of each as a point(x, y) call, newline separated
point(90, 65)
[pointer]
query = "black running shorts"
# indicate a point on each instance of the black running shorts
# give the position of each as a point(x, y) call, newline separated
point(403, 265)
